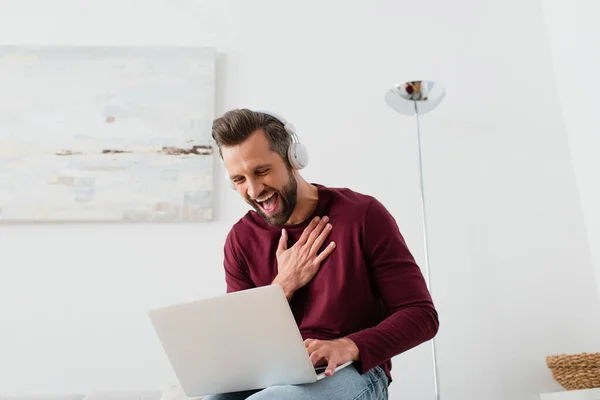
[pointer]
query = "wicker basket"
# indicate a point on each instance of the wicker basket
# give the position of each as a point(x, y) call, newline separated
point(575, 371)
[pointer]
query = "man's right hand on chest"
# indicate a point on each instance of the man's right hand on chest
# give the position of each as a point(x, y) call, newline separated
point(299, 264)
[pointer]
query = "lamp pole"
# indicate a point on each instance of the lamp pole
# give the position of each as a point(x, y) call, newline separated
point(436, 385)
point(415, 98)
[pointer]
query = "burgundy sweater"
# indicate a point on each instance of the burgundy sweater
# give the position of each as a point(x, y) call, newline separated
point(369, 289)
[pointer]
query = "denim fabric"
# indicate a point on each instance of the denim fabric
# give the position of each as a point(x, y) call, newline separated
point(345, 384)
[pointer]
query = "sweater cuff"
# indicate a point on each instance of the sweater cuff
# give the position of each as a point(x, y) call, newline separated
point(365, 362)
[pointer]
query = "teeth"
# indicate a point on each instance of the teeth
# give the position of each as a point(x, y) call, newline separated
point(265, 198)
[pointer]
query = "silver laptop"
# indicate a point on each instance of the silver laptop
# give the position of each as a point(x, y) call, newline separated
point(239, 341)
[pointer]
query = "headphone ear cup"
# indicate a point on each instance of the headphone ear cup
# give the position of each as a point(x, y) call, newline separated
point(298, 155)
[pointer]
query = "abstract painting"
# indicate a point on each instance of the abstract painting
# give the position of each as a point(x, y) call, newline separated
point(106, 133)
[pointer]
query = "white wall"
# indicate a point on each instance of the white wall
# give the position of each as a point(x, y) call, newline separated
point(512, 273)
point(574, 37)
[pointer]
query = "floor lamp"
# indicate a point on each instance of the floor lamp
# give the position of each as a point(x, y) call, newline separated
point(418, 98)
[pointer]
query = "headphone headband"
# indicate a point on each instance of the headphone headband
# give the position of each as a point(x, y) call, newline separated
point(289, 127)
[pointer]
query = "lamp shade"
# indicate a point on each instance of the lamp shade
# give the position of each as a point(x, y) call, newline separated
point(411, 97)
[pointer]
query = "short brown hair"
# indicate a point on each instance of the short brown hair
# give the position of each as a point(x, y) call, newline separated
point(235, 126)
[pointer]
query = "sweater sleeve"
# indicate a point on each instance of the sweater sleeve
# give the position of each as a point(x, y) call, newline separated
point(412, 318)
point(236, 271)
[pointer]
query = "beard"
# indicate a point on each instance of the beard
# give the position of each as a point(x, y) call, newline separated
point(287, 198)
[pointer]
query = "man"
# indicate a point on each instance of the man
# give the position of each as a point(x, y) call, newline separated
point(352, 284)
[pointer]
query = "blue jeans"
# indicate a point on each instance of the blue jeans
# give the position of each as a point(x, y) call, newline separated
point(345, 384)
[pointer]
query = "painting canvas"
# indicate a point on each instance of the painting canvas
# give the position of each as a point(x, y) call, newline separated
point(106, 134)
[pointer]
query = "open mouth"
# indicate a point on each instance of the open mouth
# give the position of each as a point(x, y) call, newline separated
point(269, 202)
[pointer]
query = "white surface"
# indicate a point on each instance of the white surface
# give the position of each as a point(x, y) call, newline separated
point(173, 392)
point(56, 396)
point(574, 36)
point(511, 268)
point(240, 341)
point(125, 395)
point(588, 394)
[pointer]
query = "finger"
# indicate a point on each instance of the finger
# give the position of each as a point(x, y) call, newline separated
point(315, 358)
point(313, 231)
point(312, 346)
point(308, 342)
point(307, 231)
point(317, 231)
point(282, 242)
point(321, 239)
point(331, 365)
point(325, 253)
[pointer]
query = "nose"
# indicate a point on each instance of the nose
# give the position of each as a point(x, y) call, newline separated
point(254, 188)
